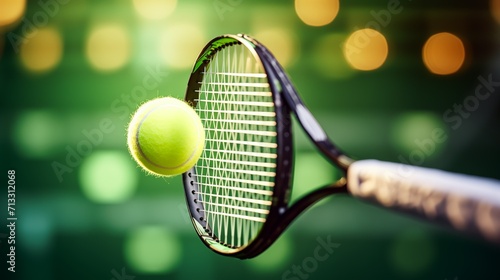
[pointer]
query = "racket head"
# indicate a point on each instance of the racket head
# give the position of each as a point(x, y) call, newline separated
point(240, 187)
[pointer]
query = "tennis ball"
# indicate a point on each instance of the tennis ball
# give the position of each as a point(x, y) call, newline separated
point(166, 136)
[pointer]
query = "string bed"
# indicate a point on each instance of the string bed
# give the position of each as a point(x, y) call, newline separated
point(236, 171)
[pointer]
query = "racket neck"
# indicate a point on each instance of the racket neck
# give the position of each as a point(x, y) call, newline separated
point(281, 222)
point(310, 125)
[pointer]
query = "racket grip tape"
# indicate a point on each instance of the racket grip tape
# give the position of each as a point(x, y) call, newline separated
point(466, 203)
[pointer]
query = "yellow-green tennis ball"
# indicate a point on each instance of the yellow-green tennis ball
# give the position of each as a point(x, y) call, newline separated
point(166, 136)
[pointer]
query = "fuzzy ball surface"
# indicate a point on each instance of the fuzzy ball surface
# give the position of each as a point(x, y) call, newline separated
point(166, 136)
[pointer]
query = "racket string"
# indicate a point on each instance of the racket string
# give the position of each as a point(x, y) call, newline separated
point(236, 171)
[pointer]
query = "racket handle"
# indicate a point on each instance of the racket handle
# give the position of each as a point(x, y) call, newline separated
point(466, 203)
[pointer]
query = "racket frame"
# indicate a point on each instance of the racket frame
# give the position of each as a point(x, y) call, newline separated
point(286, 100)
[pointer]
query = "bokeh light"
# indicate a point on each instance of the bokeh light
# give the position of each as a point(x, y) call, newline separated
point(443, 53)
point(317, 12)
point(108, 47)
point(366, 49)
point(47, 128)
point(413, 131)
point(412, 252)
point(37, 231)
point(274, 258)
point(178, 50)
point(42, 50)
point(11, 11)
point(328, 57)
point(310, 172)
point(107, 176)
point(153, 249)
point(281, 42)
point(495, 10)
point(155, 9)
point(2, 45)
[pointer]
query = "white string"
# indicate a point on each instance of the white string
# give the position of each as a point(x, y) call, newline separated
point(239, 162)
point(254, 93)
point(256, 75)
point(251, 143)
point(236, 171)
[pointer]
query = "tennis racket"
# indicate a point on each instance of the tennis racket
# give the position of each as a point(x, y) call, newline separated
point(238, 192)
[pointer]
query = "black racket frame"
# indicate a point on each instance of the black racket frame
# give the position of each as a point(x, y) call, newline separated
point(286, 101)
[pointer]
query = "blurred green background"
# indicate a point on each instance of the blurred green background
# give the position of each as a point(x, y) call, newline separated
point(72, 72)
